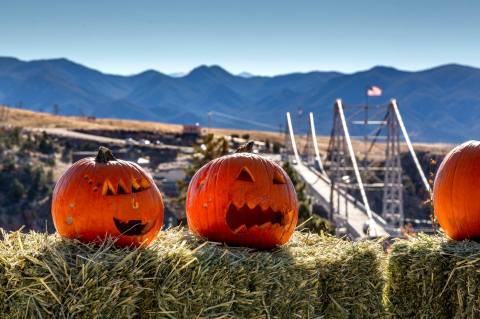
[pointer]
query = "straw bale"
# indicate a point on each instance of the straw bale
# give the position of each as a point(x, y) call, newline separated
point(180, 276)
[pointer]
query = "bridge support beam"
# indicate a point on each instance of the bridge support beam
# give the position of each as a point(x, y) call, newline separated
point(392, 206)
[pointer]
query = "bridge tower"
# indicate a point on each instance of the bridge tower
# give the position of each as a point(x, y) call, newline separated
point(357, 172)
point(392, 210)
point(337, 157)
point(344, 172)
point(348, 176)
point(345, 176)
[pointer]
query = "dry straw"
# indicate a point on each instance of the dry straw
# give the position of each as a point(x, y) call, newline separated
point(179, 276)
point(431, 277)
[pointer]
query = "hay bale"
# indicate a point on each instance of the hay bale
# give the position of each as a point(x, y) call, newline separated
point(431, 277)
point(180, 276)
point(47, 277)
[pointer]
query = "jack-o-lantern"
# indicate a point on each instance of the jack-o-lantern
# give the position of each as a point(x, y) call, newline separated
point(456, 192)
point(242, 199)
point(103, 196)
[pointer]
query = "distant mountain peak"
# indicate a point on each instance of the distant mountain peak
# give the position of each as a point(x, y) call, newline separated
point(245, 75)
point(149, 74)
point(384, 69)
point(206, 70)
point(451, 67)
point(58, 61)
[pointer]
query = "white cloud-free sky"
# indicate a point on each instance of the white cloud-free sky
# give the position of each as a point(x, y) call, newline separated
point(262, 37)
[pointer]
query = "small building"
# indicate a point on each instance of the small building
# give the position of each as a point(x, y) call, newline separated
point(192, 129)
point(190, 133)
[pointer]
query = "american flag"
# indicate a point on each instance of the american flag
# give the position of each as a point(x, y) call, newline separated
point(374, 91)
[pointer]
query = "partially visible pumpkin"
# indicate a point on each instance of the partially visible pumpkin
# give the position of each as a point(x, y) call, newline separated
point(102, 196)
point(456, 192)
point(242, 199)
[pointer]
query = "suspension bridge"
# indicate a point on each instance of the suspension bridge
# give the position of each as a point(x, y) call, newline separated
point(332, 177)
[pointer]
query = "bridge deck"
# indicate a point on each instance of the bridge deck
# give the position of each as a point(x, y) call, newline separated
point(355, 215)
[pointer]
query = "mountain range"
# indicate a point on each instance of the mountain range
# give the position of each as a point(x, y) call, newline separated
point(441, 104)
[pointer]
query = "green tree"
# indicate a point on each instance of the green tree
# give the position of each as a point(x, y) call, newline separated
point(17, 190)
point(45, 145)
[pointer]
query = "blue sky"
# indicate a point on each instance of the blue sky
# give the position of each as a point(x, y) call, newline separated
point(261, 37)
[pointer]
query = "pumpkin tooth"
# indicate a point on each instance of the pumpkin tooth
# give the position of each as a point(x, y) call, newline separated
point(265, 205)
point(238, 203)
point(240, 229)
point(254, 228)
point(276, 227)
point(266, 225)
point(251, 205)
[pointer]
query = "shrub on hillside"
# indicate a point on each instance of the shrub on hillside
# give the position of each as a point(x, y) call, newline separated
point(24, 180)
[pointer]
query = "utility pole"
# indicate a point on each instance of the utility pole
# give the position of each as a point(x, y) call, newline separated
point(209, 115)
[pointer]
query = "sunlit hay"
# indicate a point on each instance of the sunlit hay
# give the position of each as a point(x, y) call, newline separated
point(180, 276)
point(47, 277)
point(431, 277)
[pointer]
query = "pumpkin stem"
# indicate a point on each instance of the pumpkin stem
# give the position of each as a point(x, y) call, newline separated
point(246, 148)
point(104, 155)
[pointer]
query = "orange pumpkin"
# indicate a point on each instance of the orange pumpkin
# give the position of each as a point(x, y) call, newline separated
point(456, 192)
point(102, 196)
point(242, 199)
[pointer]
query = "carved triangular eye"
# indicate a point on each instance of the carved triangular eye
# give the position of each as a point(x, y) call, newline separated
point(278, 178)
point(121, 189)
point(245, 176)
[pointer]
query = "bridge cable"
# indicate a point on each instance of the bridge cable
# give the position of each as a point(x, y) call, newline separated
point(315, 145)
point(355, 165)
point(393, 103)
point(292, 137)
point(231, 117)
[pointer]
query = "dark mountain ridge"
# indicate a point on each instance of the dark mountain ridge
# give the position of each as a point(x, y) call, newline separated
point(440, 104)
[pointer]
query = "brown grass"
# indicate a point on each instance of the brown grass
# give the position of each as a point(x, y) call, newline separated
point(30, 119)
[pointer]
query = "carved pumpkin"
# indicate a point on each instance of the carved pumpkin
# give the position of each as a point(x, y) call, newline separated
point(104, 196)
point(456, 192)
point(242, 199)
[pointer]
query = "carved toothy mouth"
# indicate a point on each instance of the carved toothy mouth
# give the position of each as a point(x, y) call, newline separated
point(131, 227)
point(244, 217)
